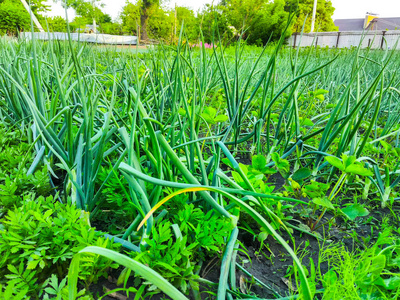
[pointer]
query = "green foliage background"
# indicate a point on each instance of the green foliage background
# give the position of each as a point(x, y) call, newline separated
point(13, 17)
point(256, 20)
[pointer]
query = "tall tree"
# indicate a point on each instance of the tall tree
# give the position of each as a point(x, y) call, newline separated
point(271, 24)
point(304, 8)
point(146, 5)
point(88, 9)
point(159, 23)
point(258, 19)
point(242, 13)
point(139, 13)
point(130, 17)
point(212, 21)
point(57, 24)
point(37, 6)
point(14, 17)
point(187, 17)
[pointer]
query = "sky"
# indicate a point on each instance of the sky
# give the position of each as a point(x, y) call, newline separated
point(114, 7)
point(344, 8)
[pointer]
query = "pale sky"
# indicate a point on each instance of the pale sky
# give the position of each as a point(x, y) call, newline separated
point(114, 7)
point(344, 8)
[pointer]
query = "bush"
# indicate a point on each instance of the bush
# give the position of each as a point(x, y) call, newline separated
point(15, 184)
point(174, 248)
point(57, 24)
point(13, 18)
point(40, 238)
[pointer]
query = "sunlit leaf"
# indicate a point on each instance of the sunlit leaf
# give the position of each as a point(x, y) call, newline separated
point(354, 211)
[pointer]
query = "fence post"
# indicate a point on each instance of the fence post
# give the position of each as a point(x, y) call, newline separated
point(383, 38)
point(295, 38)
point(337, 41)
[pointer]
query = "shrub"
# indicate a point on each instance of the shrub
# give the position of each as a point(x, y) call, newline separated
point(13, 18)
point(40, 238)
point(15, 184)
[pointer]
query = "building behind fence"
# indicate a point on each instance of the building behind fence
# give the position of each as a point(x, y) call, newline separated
point(347, 39)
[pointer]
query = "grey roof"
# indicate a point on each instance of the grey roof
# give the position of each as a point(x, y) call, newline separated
point(387, 24)
point(376, 24)
point(350, 24)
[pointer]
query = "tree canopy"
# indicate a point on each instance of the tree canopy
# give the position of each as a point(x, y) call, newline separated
point(15, 18)
point(304, 9)
point(256, 20)
point(88, 9)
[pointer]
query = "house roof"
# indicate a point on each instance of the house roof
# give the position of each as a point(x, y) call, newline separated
point(376, 24)
point(350, 24)
point(387, 24)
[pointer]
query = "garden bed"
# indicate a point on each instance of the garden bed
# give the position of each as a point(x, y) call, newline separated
point(193, 173)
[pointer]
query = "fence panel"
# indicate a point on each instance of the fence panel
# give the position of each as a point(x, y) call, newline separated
point(347, 39)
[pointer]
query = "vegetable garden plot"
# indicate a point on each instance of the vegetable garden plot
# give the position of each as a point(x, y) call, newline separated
point(235, 173)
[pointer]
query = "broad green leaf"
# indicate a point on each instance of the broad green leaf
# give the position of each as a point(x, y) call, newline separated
point(324, 202)
point(182, 112)
point(258, 162)
point(262, 236)
point(358, 169)
point(308, 122)
point(301, 174)
point(50, 291)
point(385, 145)
point(392, 283)
point(354, 211)
point(320, 92)
point(269, 171)
point(12, 269)
point(395, 261)
point(275, 157)
point(334, 161)
point(244, 168)
point(221, 118)
point(348, 160)
point(42, 264)
point(283, 164)
point(208, 118)
point(227, 162)
point(236, 176)
point(317, 186)
point(295, 185)
point(210, 111)
point(389, 283)
point(378, 263)
point(330, 278)
point(274, 116)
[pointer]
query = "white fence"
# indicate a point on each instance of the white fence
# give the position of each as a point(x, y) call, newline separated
point(347, 39)
point(83, 37)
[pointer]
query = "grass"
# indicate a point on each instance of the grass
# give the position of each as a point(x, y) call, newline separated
point(122, 132)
